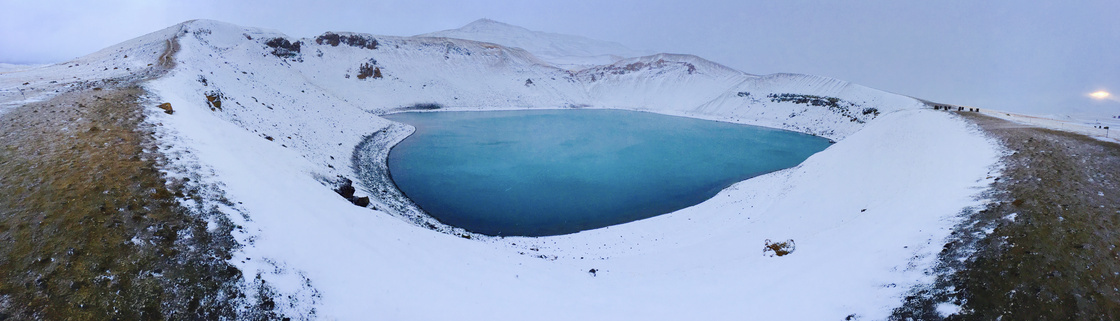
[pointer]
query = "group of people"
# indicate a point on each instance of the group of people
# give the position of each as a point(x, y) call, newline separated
point(959, 108)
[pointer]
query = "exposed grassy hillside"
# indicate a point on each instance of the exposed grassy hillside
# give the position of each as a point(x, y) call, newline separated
point(89, 227)
point(1045, 247)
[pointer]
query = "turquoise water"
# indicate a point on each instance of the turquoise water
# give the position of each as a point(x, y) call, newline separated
point(550, 172)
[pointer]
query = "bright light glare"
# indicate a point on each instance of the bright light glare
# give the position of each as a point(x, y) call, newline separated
point(1101, 94)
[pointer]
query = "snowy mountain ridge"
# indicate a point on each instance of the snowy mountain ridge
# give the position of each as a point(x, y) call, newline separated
point(560, 49)
point(274, 120)
point(470, 75)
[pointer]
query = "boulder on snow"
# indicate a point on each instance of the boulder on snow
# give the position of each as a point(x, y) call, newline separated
point(366, 70)
point(360, 201)
point(167, 108)
point(345, 188)
point(779, 248)
point(214, 100)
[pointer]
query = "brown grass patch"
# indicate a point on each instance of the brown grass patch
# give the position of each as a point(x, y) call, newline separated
point(89, 230)
point(1057, 259)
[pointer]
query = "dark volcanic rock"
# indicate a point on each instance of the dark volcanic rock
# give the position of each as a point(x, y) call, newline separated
point(283, 48)
point(360, 201)
point(345, 188)
point(358, 41)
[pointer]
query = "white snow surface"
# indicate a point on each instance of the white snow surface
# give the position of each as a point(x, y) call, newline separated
point(868, 215)
point(7, 67)
point(1089, 125)
point(562, 50)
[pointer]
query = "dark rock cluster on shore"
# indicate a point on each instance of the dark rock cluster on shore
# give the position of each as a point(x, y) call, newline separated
point(346, 189)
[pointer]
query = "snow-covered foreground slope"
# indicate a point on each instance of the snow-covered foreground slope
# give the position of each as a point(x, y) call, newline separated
point(271, 124)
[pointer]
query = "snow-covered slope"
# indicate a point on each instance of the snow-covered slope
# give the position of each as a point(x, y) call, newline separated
point(562, 50)
point(130, 59)
point(274, 119)
point(6, 67)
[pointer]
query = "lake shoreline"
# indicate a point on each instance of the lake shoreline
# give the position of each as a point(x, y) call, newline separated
point(575, 170)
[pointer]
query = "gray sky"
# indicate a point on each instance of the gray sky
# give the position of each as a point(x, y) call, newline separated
point(1033, 56)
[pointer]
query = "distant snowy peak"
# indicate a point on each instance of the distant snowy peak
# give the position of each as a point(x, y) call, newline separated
point(559, 49)
point(492, 26)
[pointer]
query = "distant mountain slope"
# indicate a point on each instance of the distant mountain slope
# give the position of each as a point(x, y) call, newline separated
point(560, 49)
point(6, 67)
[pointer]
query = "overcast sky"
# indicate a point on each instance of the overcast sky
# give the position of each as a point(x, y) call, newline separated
point(1033, 56)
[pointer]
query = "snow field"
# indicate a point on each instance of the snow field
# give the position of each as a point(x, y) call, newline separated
point(912, 170)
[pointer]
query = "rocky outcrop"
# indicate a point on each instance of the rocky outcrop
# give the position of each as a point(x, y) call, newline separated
point(283, 48)
point(358, 41)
